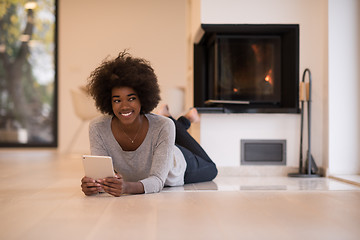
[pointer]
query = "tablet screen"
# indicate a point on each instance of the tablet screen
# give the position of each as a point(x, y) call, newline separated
point(98, 167)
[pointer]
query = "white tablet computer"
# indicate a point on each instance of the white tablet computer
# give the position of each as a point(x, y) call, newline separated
point(98, 167)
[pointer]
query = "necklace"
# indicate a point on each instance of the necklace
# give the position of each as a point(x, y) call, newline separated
point(132, 140)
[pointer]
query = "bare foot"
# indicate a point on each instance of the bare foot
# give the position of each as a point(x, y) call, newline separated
point(193, 115)
point(163, 110)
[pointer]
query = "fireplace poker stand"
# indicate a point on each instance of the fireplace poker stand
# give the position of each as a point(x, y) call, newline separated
point(310, 169)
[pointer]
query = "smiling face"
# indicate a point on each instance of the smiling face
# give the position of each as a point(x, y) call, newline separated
point(125, 104)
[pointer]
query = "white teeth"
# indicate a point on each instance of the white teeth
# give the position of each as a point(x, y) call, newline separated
point(126, 114)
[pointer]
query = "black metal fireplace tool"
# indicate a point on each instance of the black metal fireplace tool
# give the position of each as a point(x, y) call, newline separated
point(310, 169)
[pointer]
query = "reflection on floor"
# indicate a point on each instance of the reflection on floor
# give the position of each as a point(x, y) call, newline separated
point(40, 198)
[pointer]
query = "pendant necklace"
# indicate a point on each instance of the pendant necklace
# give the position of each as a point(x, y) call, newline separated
point(132, 140)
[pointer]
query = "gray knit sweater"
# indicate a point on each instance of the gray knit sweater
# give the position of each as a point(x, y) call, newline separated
point(155, 163)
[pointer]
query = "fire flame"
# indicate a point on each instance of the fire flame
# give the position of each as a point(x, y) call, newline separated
point(268, 77)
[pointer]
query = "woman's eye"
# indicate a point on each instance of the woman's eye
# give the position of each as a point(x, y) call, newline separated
point(116, 101)
point(132, 99)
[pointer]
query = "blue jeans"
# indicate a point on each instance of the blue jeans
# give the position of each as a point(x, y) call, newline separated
point(200, 168)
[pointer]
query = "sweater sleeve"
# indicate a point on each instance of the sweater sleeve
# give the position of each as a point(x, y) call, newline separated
point(163, 157)
point(97, 145)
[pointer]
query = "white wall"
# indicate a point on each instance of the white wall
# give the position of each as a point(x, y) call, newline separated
point(90, 30)
point(344, 87)
point(221, 133)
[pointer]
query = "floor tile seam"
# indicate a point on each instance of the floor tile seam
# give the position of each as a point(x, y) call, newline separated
point(343, 180)
point(278, 191)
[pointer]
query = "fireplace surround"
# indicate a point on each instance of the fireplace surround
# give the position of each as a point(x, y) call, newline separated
point(247, 68)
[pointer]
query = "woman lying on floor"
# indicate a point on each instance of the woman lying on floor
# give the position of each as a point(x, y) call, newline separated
point(149, 151)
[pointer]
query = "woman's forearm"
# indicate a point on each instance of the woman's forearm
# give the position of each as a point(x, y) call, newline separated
point(133, 188)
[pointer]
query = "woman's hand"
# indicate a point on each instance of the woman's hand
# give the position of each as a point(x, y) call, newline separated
point(116, 186)
point(113, 185)
point(89, 186)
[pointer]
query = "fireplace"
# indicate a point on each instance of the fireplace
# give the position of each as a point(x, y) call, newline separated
point(245, 68)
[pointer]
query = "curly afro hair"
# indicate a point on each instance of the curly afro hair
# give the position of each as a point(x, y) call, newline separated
point(124, 71)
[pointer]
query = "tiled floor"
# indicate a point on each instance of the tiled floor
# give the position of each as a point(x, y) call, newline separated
point(41, 199)
point(224, 183)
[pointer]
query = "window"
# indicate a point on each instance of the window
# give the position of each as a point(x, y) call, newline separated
point(28, 74)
